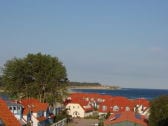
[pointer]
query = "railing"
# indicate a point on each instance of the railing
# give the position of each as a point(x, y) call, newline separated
point(60, 123)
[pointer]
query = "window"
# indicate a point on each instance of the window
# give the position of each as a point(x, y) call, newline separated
point(29, 117)
point(40, 113)
point(115, 108)
point(73, 106)
point(127, 108)
point(48, 112)
point(18, 108)
point(104, 108)
point(76, 113)
point(14, 108)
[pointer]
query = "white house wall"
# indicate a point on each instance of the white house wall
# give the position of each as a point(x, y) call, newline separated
point(88, 114)
point(24, 118)
point(35, 121)
point(75, 108)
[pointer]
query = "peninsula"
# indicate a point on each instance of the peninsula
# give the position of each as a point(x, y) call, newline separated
point(86, 85)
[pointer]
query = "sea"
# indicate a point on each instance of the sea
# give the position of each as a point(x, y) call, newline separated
point(131, 93)
point(4, 96)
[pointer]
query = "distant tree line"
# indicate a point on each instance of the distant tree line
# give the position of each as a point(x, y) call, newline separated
point(83, 84)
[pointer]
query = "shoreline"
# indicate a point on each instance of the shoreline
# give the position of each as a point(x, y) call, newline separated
point(72, 88)
point(95, 87)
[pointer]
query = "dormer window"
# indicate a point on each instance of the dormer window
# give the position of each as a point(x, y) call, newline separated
point(115, 108)
point(104, 108)
point(127, 108)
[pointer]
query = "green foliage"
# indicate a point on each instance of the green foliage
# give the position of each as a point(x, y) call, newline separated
point(59, 117)
point(35, 75)
point(101, 123)
point(1, 84)
point(63, 115)
point(159, 111)
point(107, 116)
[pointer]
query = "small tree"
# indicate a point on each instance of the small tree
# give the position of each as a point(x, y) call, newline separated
point(101, 123)
point(107, 115)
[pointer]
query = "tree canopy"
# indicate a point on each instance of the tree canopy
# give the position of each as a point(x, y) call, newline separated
point(159, 111)
point(1, 84)
point(36, 75)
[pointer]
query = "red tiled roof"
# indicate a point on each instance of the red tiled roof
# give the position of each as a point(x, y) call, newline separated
point(106, 97)
point(88, 109)
point(126, 116)
point(41, 118)
point(108, 100)
point(89, 95)
point(79, 100)
point(121, 102)
point(6, 116)
point(142, 101)
point(82, 103)
point(32, 104)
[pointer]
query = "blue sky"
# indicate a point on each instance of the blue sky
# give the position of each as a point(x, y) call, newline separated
point(114, 42)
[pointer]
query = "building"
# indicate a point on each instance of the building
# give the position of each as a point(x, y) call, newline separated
point(7, 118)
point(126, 119)
point(35, 112)
point(15, 108)
point(79, 108)
point(142, 106)
point(113, 104)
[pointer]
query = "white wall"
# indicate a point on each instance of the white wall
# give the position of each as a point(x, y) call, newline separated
point(140, 110)
point(35, 121)
point(88, 114)
point(74, 107)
